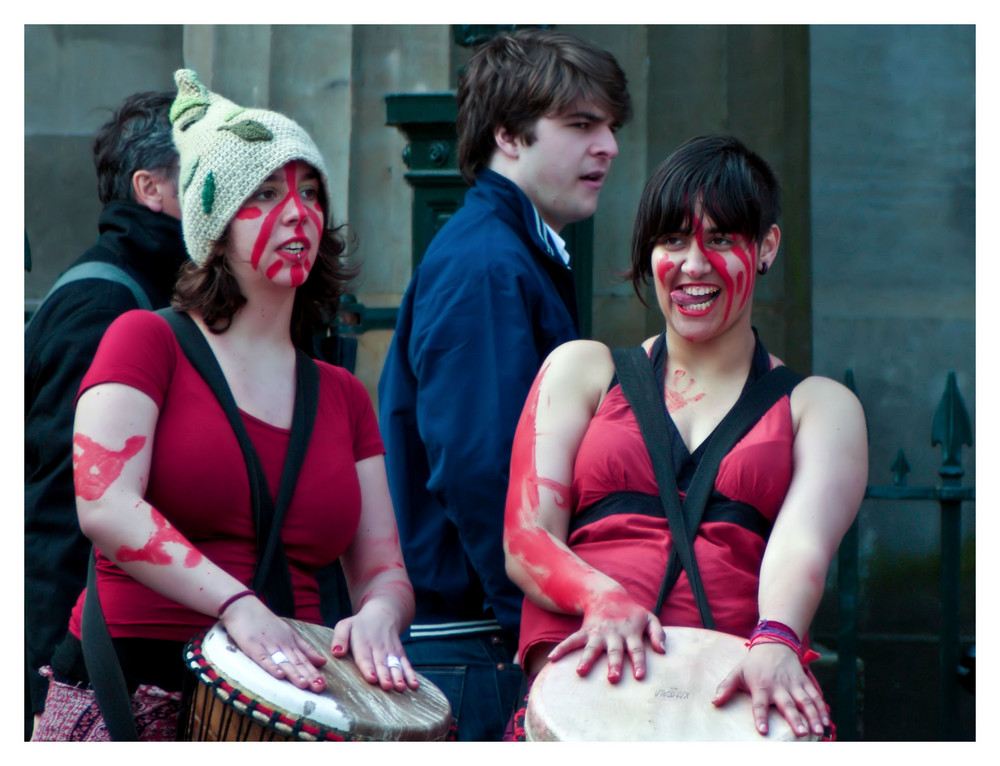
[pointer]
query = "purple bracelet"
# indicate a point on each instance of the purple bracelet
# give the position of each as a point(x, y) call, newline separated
point(231, 599)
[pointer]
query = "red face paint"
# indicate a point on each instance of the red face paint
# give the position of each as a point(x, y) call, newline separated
point(663, 267)
point(249, 212)
point(95, 468)
point(299, 270)
point(154, 552)
point(742, 285)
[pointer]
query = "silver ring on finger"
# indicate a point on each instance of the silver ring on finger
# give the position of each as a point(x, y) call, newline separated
point(278, 657)
point(392, 661)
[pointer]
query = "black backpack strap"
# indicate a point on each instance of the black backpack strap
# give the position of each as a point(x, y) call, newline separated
point(100, 270)
point(751, 407)
point(638, 382)
point(105, 671)
point(272, 579)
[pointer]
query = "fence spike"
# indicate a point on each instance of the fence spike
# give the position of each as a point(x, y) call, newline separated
point(951, 428)
point(900, 467)
point(849, 380)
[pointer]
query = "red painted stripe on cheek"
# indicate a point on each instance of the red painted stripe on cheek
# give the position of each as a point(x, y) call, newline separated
point(95, 468)
point(249, 213)
point(748, 274)
point(264, 236)
point(663, 267)
point(273, 270)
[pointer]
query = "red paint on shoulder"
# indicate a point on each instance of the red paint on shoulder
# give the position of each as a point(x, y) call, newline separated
point(95, 468)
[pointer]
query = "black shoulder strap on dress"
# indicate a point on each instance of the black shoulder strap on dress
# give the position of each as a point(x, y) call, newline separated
point(272, 578)
point(635, 374)
point(638, 382)
point(103, 668)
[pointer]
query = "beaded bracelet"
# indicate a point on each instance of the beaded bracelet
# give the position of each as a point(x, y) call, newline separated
point(773, 632)
point(231, 599)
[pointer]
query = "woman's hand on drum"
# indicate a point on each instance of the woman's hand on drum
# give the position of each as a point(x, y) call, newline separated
point(616, 625)
point(372, 637)
point(273, 644)
point(773, 675)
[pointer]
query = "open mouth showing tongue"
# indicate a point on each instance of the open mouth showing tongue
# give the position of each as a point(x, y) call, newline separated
point(696, 300)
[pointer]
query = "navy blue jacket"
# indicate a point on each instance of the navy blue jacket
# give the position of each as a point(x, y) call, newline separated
point(490, 299)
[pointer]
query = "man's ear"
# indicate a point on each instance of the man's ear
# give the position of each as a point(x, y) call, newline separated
point(146, 189)
point(769, 247)
point(507, 143)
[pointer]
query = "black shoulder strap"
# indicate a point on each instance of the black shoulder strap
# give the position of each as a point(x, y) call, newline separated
point(100, 270)
point(752, 406)
point(103, 667)
point(271, 578)
point(636, 372)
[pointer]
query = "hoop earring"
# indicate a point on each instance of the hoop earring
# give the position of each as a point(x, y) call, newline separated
point(762, 270)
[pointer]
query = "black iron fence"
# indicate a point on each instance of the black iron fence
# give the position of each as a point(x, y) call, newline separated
point(951, 430)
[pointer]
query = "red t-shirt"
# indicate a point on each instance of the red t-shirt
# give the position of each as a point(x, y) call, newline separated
point(198, 478)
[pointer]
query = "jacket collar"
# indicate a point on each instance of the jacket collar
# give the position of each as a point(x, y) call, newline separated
point(149, 243)
point(519, 209)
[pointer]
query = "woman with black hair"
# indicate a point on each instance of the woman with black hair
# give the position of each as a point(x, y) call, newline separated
point(585, 534)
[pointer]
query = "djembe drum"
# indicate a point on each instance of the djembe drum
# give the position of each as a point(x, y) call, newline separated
point(673, 702)
point(237, 700)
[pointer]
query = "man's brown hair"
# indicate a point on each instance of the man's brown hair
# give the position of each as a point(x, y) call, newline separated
point(516, 78)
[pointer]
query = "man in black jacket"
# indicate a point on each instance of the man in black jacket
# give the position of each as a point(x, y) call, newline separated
point(140, 238)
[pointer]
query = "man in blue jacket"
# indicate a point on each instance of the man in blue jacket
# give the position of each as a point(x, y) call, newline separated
point(493, 295)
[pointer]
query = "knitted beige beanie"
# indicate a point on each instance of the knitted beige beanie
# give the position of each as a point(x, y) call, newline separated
point(226, 152)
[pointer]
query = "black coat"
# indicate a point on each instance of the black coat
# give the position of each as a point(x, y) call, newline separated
point(59, 344)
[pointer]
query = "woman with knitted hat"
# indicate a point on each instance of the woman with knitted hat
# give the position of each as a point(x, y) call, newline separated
point(161, 480)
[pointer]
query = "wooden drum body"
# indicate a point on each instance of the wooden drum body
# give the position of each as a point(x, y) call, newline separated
point(237, 700)
point(673, 702)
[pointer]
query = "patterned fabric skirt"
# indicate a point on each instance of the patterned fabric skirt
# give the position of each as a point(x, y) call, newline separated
point(71, 714)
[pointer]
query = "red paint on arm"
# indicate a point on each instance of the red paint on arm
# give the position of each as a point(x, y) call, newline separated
point(95, 468)
point(154, 551)
point(398, 590)
point(559, 575)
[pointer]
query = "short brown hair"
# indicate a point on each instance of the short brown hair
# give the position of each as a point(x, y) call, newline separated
point(517, 78)
point(212, 290)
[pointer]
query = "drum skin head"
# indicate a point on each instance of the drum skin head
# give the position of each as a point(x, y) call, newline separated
point(672, 703)
point(349, 705)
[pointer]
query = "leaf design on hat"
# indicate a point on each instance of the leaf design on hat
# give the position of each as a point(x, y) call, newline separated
point(249, 130)
point(208, 193)
point(189, 175)
point(191, 95)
